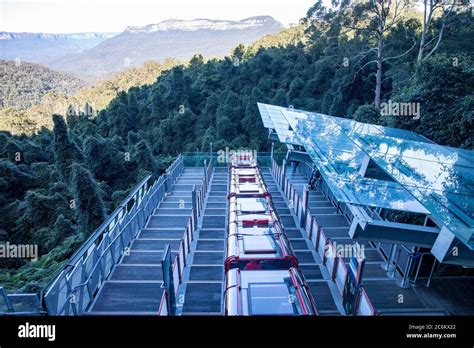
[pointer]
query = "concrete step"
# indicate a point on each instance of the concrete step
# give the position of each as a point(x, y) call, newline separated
point(212, 234)
point(311, 272)
point(153, 233)
point(129, 297)
point(213, 221)
point(322, 295)
point(175, 205)
point(172, 211)
point(215, 205)
point(215, 211)
point(321, 204)
point(178, 199)
point(203, 298)
point(216, 187)
point(304, 256)
point(337, 232)
point(142, 257)
point(137, 272)
point(331, 220)
point(185, 187)
point(222, 199)
point(293, 233)
point(208, 258)
point(218, 194)
point(164, 221)
point(299, 244)
point(154, 244)
point(210, 245)
point(324, 210)
point(206, 273)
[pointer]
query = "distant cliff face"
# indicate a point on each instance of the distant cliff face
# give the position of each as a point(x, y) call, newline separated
point(104, 53)
point(177, 39)
point(44, 36)
point(207, 24)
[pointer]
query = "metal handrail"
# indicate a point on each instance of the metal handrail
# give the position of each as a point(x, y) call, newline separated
point(119, 221)
point(290, 193)
point(190, 227)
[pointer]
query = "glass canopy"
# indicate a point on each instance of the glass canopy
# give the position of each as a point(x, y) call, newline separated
point(424, 177)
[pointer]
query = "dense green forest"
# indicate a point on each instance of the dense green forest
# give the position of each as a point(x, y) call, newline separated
point(98, 96)
point(347, 62)
point(25, 84)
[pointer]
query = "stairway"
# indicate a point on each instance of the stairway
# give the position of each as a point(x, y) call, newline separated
point(204, 275)
point(322, 289)
point(382, 291)
point(134, 285)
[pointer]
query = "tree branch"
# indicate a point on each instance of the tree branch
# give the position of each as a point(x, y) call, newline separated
point(440, 36)
point(358, 71)
point(403, 54)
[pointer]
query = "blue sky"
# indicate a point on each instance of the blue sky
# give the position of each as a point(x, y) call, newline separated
point(68, 16)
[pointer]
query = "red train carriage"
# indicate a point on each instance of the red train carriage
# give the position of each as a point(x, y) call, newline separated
point(261, 269)
point(267, 292)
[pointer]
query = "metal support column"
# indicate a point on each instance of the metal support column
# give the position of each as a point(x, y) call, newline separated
point(387, 265)
point(391, 273)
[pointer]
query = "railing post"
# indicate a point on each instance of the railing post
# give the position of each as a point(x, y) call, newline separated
point(184, 252)
point(168, 281)
point(304, 206)
point(166, 182)
point(6, 300)
point(194, 205)
point(271, 153)
point(283, 174)
point(310, 232)
point(205, 173)
point(210, 153)
point(293, 166)
point(420, 261)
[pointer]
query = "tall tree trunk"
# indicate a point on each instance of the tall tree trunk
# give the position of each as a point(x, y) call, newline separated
point(378, 78)
point(423, 33)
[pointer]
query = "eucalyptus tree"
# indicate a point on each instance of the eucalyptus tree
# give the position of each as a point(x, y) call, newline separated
point(437, 15)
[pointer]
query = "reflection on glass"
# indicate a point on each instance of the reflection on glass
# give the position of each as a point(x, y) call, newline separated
point(427, 178)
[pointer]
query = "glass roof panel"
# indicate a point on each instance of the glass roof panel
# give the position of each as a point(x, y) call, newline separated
point(271, 299)
point(274, 119)
point(259, 244)
point(428, 177)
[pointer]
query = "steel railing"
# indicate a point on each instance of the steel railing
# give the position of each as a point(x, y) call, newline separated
point(315, 233)
point(180, 260)
point(78, 283)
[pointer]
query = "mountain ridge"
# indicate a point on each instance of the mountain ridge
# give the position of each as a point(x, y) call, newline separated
point(201, 24)
point(133, 48)
point(7, 35)
point(101, 54)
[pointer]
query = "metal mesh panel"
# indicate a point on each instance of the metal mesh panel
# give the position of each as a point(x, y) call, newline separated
point(176, 275)
point(24, 302)
point(341, 275)
point(117, 248)
point(95, 278)
point(107, 261)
